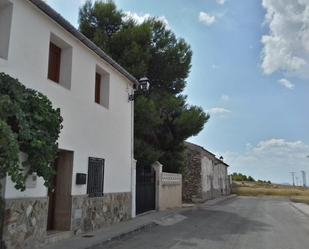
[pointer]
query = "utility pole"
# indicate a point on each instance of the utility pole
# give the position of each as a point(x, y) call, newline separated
point(293, 178)
point(304, 178)
point(297, 181)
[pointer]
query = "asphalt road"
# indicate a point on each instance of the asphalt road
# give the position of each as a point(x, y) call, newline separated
point(241, 223)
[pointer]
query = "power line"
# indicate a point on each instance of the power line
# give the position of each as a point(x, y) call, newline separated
point(297, 180)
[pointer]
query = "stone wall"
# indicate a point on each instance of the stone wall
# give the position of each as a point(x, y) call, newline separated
point(191, 182)
point(24, 222)
point(91, 213)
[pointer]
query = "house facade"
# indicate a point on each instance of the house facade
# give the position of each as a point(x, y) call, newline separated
point(205, 176)
point(94, 185)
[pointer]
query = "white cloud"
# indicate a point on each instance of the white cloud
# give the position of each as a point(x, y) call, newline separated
point(286, 46)
point(221, 2)
point(206, 18)
point(225, 97)
point(271, 159)
point(143, 17)
point(218, 110)
point(286, 83)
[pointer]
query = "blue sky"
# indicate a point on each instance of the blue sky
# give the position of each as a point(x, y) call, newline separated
point(248, 71)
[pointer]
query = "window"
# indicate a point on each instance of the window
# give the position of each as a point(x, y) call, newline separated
point(54, 62)
point(6, 9)
point(97, 88)
point(95, 181)
point(101, 93)
point(60, 61)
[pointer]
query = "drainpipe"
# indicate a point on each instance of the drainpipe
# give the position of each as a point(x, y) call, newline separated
point(133, 164)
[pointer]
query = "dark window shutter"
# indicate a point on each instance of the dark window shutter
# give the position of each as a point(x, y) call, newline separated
point(95, 177)
point(54, 62)
point(97, 97)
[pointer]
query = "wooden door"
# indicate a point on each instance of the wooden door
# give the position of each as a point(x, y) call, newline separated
point(59, 215)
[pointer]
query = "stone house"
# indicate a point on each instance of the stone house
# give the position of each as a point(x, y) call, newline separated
point(205, 176)
point(94, 184)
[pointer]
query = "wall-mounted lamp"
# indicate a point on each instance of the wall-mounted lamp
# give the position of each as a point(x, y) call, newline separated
point(142, 86)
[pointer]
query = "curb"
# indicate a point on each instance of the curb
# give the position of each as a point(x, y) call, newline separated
point(299, 209)
point(147, 225)
point(122, 235)
point(214, 202)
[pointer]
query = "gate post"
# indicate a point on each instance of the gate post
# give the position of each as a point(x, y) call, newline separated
point(157, 166)
point(133, 188)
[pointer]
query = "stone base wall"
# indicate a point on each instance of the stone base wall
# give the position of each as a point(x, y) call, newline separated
point(207, 195)
point(91, 213)
point(217, 193)
point(24, 224)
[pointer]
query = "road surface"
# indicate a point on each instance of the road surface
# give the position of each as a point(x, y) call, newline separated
point(240, 223)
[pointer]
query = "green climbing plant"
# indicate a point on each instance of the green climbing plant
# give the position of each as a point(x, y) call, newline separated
point(30, 125)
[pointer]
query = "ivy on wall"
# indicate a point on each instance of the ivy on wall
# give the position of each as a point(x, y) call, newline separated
point(28, 124)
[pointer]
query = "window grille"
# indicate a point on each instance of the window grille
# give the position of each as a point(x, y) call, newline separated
point(95, 177)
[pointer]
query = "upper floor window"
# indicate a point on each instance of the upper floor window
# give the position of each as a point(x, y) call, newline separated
point(6, 10)
point(97, 97)
point(60, 61)
point(101, 92)
point(54, 62)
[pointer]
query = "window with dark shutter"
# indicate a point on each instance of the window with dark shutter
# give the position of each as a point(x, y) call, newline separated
point(97, 97)
point(95, 177)
point(54, 62)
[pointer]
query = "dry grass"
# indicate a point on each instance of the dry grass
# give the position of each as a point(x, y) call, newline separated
point(302, 199)
point(259, 189)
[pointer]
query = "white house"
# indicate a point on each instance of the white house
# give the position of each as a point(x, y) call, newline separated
point(94, 185)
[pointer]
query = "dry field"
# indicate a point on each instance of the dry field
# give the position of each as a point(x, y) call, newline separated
point(296, 194)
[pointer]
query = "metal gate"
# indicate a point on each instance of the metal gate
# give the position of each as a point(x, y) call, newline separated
point(145, 189)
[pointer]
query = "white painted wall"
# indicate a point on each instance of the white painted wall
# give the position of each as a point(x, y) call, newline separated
point(206, 173)
point(220, 172)
point(89, 128)
point(217, 173)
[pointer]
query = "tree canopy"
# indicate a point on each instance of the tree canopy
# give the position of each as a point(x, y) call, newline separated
point(238, 177)
point(163, 118)
point(28, 124)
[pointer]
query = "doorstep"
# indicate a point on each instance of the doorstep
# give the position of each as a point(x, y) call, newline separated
point(55, 236)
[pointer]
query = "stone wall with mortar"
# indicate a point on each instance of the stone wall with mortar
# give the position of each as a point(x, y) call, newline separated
point(25, 222)
point(191, 182)
point(91, 213)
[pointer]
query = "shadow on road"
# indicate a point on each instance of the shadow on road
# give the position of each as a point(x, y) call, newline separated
point(217, 224)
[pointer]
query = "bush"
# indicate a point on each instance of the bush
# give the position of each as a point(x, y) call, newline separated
point(29, 124)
